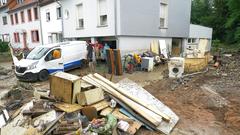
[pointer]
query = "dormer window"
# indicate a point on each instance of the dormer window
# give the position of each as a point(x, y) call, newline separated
point(20, 1)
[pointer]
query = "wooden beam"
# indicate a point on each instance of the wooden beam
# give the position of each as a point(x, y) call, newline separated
point(146, 113)
point(165, 117)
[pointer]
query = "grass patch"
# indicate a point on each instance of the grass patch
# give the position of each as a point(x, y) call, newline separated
point(225, 48)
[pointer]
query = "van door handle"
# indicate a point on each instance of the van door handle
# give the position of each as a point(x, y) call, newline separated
point(60, 63)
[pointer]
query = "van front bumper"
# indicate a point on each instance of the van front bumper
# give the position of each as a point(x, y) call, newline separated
point(29, 77)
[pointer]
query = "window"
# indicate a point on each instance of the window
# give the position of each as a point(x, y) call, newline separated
point(4, 19)
point(12, 22)
point(20, 1)
point(102, 12)
point(59, 12)
point(22, 17)
point(29, 12)
point(80, 20)
point(192, 41)
point(16, 37)
point(53, 55)
point(48, 16)
point(16, 18)
point(35, 13)
point(163, 15)
point(35, 36)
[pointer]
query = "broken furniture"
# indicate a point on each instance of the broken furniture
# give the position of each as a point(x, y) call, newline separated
point(64, 86)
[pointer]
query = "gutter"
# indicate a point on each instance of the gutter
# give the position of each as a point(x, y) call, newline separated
point(116, 24)
point(58, 2)
point(39, 12)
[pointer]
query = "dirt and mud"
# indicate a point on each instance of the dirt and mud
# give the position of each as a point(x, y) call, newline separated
point(207, 104)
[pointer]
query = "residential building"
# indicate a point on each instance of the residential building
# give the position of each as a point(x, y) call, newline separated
point(24, 23)
point(129, 25)
point(4, 21)
point(51, 21)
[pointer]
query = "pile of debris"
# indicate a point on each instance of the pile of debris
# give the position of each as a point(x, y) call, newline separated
point(5, 73)
point(89, 105)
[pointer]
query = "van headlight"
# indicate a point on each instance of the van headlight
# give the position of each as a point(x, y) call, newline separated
point(33, 66)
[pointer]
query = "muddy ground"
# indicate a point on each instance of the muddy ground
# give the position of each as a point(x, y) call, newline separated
point(207, 104)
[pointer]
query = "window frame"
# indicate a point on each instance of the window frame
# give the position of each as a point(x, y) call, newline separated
point(78, 27)
point(99, 24)
point(16, 37)
point(59, 12)
point(4, 20)
point(29, 13)
point(37, 40)
point(22, 16)
point(165, 16)
point(16, 18)
point(12, 20)
point(36, 14)
point(48, 17)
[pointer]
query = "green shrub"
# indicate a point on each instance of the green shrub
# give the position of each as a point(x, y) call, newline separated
point(4, 46)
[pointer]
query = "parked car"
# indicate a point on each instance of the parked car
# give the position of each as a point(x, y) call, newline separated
point(46, 59)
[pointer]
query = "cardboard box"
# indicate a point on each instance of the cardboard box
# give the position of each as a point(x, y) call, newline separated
point(65, 87)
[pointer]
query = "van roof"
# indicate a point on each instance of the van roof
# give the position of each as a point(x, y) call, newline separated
point(62, 44)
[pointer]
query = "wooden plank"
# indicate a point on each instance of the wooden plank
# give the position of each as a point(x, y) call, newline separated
point(76, 90)
point(146, 113)
point(101, 105)
point(93, 96)
point(53, 123)
point(69, 108)
point(139, 101)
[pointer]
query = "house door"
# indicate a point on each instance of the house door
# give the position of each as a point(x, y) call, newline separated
point(24, 40)
point(176, 47)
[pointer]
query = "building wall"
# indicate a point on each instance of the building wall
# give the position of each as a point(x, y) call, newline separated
point(138, 44)
point(141, 18)
point(24, 27)
point(52, 26)
point(90, 9)
point(4, 29)
point(197, 31)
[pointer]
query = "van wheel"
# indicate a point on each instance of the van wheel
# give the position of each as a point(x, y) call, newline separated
point(43, 75)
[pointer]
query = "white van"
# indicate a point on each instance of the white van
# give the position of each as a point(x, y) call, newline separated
point(41, 62)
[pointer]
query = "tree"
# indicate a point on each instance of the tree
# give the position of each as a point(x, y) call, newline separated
point(233, 22)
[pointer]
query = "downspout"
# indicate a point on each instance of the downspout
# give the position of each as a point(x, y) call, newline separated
point(39, 12)
point(116, 24)
point(58, 2)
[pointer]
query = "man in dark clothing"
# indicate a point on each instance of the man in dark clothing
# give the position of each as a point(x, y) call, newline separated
point(90, 57)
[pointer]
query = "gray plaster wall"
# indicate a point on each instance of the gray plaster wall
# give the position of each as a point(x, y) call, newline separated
point(141, 18)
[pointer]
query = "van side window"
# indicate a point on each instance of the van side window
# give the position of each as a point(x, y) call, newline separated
point(53, 55)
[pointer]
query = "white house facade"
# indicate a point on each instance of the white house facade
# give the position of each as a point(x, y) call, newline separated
point(128, 25)
point(51, 21)
point(25, 28)
point(4, 21)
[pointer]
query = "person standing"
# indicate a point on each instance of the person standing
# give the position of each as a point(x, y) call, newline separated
point(90, 56)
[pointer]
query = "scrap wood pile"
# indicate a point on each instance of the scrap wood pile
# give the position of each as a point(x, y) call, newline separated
point(89, 105)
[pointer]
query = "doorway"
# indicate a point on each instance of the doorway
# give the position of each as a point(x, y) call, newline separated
point(176, 47)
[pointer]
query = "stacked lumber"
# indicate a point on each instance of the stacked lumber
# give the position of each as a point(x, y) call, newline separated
point(148, 109)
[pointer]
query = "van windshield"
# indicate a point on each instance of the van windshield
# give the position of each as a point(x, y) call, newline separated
point(37, 53)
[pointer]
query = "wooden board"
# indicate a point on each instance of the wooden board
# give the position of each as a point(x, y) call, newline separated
point(69, 108)
point(91, 96)
point(118, 62)
point(101, 105)
point(144, 112)
point(154, 47)
point(137, 91)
